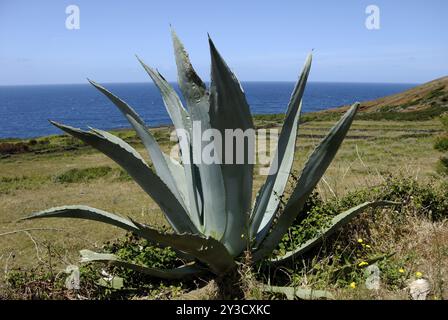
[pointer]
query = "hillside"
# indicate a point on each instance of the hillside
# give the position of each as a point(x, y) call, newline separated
point(422, 102)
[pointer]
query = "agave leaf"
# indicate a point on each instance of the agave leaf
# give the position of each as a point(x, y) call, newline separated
point(206, 250)
point(182, 272)
point(302, 293)
point(85, 212)
point(115, 282)
point(163, 163)
point(229, 110)
point(191, 85)
point(337, 222)
point(321, 158)
point(313, 170)
point(209, 178)
point(173, 105)
point(274, 187)
point(89, 213)
point(182, 122)
point(128, 158)
point(151, 145)
point(180, 180)
point(272, 190)
point(127, 110)
point(212, 191)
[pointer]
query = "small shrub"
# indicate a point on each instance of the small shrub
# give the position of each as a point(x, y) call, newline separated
point(426, 198)
point(436, 93)
point(13, 148)
point(444, 120)
point(83, 175)
point(139, 251)
point(442, 166)
point(441, 143)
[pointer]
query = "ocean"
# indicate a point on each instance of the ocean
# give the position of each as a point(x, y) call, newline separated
point(25, 110)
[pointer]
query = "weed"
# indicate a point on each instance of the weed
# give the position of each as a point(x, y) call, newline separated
point(83, 175)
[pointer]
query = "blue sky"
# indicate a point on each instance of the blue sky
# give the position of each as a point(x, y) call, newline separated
point(261, 40)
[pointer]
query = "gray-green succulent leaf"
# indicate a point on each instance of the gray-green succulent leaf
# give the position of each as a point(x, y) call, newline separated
point(86, 213)
point(157, 156)
point(269, 197)
point(131, 161)
point(182, 272)
point(230, 110)
point(211, 201)
point(292, 293)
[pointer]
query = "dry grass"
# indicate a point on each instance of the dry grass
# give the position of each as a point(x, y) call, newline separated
point(418, 244)
point(372, 150)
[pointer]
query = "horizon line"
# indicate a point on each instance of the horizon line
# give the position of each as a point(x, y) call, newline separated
point(207, 82)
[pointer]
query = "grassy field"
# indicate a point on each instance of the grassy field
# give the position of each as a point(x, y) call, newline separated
point(57, 170)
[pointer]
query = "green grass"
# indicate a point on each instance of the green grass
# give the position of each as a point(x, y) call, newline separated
point(420, 115)
point(429, 113)
point(76, 175)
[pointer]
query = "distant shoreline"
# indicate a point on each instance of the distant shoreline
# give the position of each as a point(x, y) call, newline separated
point(174, 83)
point(420, 102)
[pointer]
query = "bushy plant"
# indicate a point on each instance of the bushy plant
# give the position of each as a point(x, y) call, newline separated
point(441, 144)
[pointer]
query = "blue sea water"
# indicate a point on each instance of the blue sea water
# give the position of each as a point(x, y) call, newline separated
point(25, 110)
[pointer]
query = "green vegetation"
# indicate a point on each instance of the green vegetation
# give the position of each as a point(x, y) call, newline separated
point(424, 114)
point(76, 175)
point(386, 147)
point(441, 144)
point(429, 113)
point(390, 147)
point(339, 265)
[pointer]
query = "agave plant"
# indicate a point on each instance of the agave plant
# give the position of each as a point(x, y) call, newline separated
point(209, 205)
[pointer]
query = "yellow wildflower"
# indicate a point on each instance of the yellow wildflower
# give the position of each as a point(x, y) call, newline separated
point(362, 264)
point(368, 246)
point(353, 285)
point(401, 270)
point(418, 274)
point(360, 240)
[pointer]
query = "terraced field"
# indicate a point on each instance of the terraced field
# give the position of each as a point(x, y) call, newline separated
point(53, 171)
